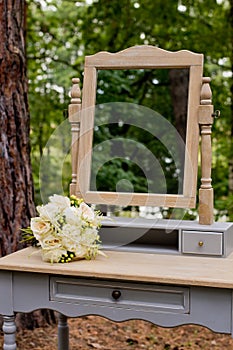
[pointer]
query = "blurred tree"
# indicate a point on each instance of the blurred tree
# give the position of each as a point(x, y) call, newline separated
point(62, 32)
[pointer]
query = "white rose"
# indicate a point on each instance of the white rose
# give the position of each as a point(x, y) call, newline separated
point(86, 211)
point(50, 242)
point(60, 201)
point(39, 227)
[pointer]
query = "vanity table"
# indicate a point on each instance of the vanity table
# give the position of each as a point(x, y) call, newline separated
point(168, 272)
point(168, 290)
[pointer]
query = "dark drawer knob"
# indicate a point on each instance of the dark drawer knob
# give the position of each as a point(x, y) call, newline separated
point(116, 294)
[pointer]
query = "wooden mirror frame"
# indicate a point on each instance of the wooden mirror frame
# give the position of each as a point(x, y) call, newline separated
point(137, 57)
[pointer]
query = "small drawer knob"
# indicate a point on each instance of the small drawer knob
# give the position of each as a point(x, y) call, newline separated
point(200, 243)
point(116, 294)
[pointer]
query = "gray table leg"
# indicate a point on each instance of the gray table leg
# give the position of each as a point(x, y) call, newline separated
point(63, 332)
point(9, 330)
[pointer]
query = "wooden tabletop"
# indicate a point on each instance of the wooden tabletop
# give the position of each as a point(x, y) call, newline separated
point(158, 268)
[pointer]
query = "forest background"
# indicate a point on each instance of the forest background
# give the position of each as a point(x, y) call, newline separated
point(60, 33)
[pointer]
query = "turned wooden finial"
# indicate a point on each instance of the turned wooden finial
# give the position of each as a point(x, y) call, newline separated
point(75, 92)
point(206, 93)
point(74, 118)
point(205, 122)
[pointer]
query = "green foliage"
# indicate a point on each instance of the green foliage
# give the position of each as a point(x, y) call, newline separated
point(52, 59)
point(61, 32)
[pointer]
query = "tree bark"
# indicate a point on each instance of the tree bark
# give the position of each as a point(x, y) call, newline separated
point(16, 195)
point(16, 205)
point(179, 81)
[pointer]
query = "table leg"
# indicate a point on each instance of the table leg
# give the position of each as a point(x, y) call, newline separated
point(63, 332)
point(9, 330)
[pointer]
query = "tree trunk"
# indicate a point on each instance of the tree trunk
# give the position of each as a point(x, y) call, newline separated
point(179, 82)
point(16, 195)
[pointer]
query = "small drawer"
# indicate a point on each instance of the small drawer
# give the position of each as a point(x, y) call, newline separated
point(201, 242)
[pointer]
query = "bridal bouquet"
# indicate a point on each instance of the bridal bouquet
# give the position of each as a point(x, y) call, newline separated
point(66, 229)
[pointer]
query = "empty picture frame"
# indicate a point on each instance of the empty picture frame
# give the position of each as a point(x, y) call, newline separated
point(140, 57)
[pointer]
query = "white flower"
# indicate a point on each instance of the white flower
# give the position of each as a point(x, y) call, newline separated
point(48, 211)
point(70, 237)
point(52, 255)
point(40, 227)
point(72, 216)
point(70, 244)
point(87, 212)
point(81, 252)
point(89, 237)
point(60, 202)
point(71, 230)
point(50, 241)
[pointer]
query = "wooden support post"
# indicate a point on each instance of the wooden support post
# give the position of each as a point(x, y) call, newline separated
point(206, 195)
point(74, 119)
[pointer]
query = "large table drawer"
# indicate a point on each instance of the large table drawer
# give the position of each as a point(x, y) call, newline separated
point(206, 243)
point(126, 295)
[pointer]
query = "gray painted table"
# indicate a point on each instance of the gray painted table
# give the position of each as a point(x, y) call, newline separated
point(168, 290)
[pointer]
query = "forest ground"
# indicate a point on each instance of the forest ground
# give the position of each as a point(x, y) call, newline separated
point(92, 332)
